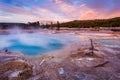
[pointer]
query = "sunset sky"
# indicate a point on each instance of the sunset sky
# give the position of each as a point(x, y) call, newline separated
point(57, 10)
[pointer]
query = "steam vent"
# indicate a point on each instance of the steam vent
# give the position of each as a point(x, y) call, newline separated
point(59, 40)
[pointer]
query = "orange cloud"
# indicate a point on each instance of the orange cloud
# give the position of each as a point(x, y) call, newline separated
point(58, 1)
point(113, 14)
point(57, 10)
point(84, 12)
point(90, 14)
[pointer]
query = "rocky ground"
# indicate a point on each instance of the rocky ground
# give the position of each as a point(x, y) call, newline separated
point(100, 62)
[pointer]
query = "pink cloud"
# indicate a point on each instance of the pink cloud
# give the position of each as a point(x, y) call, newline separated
point(60, 10)
point(49, 15)
point(84, 11)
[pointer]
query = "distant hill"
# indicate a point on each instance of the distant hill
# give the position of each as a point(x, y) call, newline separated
point(20, 25)
point(11, 25)
point(113, 22)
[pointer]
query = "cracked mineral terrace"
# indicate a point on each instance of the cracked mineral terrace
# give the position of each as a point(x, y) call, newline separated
point(76, 62)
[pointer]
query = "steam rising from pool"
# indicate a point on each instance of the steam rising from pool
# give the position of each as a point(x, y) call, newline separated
point(35, 43)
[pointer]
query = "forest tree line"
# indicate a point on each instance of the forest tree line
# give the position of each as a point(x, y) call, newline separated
point(113, 22)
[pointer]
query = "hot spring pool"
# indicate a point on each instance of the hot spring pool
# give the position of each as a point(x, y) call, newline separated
point(35, 43)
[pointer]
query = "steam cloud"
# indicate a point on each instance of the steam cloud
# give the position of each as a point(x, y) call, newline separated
point(38, 39)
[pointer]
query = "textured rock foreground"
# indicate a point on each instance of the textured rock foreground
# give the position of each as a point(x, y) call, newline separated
point(79, 64)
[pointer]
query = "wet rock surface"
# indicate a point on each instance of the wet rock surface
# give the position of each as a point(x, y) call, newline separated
point(103, 63)
point(14, 70)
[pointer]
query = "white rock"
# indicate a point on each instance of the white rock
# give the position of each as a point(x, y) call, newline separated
point(89, 59)
point(42, 62)
point(15, 74)
point(79, 59)
point(61, 71)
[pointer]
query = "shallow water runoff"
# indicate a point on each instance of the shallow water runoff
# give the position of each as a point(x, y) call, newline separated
point(110, 42)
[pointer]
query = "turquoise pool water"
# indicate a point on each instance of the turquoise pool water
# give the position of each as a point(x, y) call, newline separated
point(35, 43)
point(34, 49)
point(109, 42)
